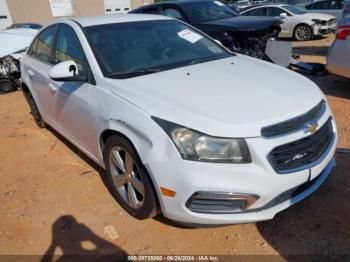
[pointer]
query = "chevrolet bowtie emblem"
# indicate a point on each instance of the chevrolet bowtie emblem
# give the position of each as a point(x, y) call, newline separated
point(310, 127)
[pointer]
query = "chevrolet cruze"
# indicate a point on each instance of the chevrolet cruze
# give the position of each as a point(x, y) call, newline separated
point(181, 125)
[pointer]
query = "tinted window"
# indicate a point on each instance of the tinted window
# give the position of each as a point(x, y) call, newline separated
point(320, 5)
point(153, 10)
point(257, 12)
point(32, 48)
point(274, 11)
point(296, 10)
point(171, 12)
point(68, 47)
point(44, 44)
point(203, 11)
point(337, 5)
point(132, 49)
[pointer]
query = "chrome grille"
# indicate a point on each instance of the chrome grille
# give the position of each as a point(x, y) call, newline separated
point(295, 123)
point(303, 153)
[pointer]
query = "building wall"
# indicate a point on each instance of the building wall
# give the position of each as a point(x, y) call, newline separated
point(39, 11)
point(5, 15)
point(36, 11)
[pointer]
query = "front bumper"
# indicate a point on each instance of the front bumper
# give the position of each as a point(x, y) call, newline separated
point(276, 191)
point(324, 29)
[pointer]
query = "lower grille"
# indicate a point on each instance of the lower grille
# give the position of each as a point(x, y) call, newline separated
point(301, 154)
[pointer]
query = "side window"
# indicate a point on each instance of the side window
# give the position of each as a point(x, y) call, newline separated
point(320, 5)
point(173, 13)
point(32, 48)
point(152, 10)
point(68, 48)
point(257, 12)
point(44, 44)
point(274, 11)
point(337, 4)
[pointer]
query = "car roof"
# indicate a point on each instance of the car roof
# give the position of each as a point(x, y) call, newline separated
point(116, 18)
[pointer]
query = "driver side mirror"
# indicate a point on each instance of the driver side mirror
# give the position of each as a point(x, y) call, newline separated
point(66, 71)
point(283, 15)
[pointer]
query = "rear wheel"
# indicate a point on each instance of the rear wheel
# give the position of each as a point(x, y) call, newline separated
point(128, 179)
point(302, 33)
point(34, 110)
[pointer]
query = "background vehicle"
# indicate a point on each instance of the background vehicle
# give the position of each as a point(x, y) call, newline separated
point(167, 111)
point(297, 23)
point(25, 25)
point(346, 11)
point(338, 57)
point(246, 35)
point(14, 43)
point(331, 7)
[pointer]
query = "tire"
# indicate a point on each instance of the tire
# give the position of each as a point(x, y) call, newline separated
point(302, 32)
point(34, 110)
point(127, 178)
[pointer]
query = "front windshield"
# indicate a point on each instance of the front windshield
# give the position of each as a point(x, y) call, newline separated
point(131, 49)
point(296, 10)
point(204, 11)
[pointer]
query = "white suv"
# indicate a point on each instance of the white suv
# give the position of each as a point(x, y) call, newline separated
point(180, 124)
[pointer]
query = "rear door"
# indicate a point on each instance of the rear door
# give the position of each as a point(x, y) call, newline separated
point(37, 67)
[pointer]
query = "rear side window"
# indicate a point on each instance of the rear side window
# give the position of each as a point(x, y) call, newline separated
point(274, 11)
point(257, 12)
point(43, 45)
point(319, 6)
point(68, 48)
point(337, 5)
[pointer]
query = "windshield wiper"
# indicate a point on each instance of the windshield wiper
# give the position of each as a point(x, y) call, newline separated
point(134, 73)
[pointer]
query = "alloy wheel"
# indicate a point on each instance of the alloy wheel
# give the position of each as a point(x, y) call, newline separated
point(126, 177)
point(302, 33)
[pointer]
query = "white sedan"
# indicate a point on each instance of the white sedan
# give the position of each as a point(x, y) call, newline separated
point(177, 120)
point(297, 23)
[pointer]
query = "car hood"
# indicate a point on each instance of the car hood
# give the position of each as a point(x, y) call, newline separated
point(324, 17)
point(232, 97)
point(245, 23)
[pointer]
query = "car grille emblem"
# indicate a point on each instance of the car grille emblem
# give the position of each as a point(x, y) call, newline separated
point(310, 127)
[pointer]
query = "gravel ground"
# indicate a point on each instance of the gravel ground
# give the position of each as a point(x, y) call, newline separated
point(53, 200)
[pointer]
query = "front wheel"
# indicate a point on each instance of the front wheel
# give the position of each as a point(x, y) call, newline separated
point(302, 33)
point(128, 179)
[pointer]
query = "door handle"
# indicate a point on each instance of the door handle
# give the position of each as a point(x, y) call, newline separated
point(53, 87)
point(30, 73)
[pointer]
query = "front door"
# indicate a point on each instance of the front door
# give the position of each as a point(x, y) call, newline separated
point(71, 104)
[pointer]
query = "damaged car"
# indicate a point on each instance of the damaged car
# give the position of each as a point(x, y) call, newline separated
point(297, 23)
point(14, 43)
point(245, 35)
point(176, 119)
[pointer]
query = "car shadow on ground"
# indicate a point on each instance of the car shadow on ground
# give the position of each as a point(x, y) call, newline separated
point(319, 225)
point(76, 241)
point(334, 85)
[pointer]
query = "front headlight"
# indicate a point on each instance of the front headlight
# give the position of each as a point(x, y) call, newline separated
point(197, 146)
point(317, 21)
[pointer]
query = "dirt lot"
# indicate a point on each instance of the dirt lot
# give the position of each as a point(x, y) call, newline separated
point(53, 200)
